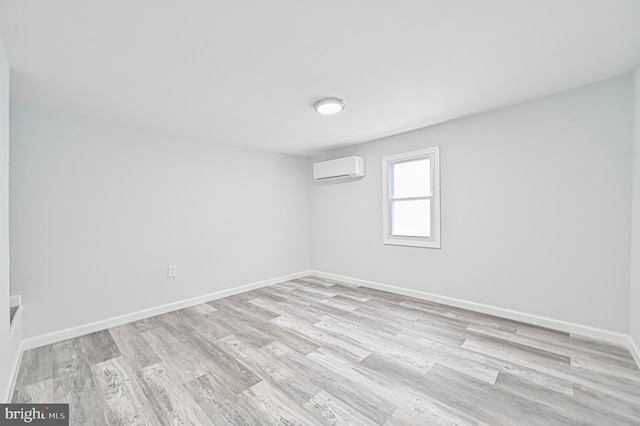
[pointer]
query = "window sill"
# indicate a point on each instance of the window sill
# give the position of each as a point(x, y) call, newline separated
point(411, 243)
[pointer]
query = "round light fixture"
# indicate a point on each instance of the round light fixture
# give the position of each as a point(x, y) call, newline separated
point(329, 105)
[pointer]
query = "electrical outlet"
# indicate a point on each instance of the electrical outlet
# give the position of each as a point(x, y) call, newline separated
point(172, 271)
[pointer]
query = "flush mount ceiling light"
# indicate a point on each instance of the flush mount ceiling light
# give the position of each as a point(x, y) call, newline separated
point(329, 105)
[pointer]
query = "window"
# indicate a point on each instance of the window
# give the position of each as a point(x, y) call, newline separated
point(411, 198)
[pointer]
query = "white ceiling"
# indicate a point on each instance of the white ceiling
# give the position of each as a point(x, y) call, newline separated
point(246, 73)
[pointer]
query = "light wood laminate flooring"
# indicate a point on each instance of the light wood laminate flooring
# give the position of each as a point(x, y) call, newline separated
point(319, 352)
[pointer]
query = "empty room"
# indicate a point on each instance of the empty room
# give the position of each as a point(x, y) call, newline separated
point(320, 213)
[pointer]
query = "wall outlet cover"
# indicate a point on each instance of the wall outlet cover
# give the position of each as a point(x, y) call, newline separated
point(172, 271)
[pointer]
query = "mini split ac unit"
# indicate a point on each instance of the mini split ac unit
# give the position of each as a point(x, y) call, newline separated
point(347, 168)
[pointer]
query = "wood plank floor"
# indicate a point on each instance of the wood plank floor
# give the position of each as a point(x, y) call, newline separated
point(318, 352)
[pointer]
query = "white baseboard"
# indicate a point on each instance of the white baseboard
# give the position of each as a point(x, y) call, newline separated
point(15, 366)
point(69, 333)
point(634, 350)
point(15, 332)
point(554, 324)
point(592, 332)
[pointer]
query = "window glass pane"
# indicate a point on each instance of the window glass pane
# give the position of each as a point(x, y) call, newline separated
point(411, 218)
point(412, 178)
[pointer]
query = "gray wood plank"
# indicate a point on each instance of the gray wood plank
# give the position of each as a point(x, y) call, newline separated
point(418, 405)
point(36, 365)
point(514, 351)
point(487, 402)
point(73, 383)
point(293, 340)
point(574, 409)
point(38, 393)
point(247, 328)
point(170, 402)
point(181, 366)
point(122, 393)
point(133, 346)
point(179, 323)
point(335, 412)
point(146, 324)
point(246, 310)
point(226, 368)
point(275, 408)
point(316, 335)
point(220, 405)
point(353, 394)
point(100, 346)
point(272, 369)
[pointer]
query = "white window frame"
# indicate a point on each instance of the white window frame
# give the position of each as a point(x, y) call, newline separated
point(387, 238)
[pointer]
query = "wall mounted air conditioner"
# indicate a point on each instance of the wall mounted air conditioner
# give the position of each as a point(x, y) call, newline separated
point(347, 168)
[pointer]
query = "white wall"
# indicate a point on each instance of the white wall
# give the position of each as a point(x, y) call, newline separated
point(535, 210)
point(8, 344)
point(98, 211)
point(635, 219)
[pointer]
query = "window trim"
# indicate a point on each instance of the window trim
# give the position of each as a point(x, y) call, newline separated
point(426, 242)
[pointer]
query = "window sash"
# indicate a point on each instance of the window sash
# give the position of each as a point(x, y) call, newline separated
point(392, 199)
point(391, 172)
point(392, 216)
point(426, 197)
